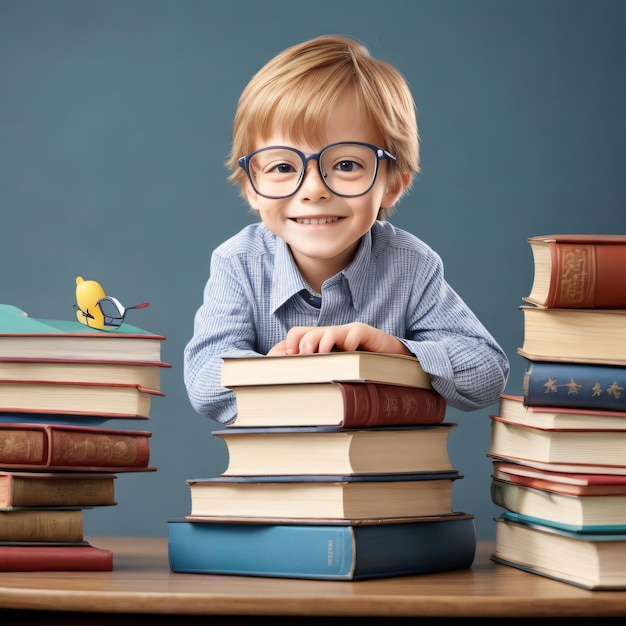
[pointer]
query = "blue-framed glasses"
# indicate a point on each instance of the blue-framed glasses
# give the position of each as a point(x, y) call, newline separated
point(348, 168)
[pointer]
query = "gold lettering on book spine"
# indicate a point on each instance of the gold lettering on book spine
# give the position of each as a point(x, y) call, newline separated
point(98, 450)
point(21, 447)
point(573, 388)
point(577, 276)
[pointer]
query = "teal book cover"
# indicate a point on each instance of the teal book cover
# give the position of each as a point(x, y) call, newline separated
point(578, 529)
point(322, 551)
point(23, 337)
point(15, 321)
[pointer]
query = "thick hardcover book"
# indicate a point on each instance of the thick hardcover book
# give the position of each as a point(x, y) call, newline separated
point(566, 468)
point(595, 513)
point(138, 374)
point(512, 409)
point(61, 447)
point(574, 484)
point(324, 368)
point(576, 385)
point(574, 335)
point(578, 271)
point(315, 497)
point(55, 489)
point(344, 404)
point(593, 447)
point(116, 400)
point(26, 337)
point(57, 558)
point(41, 525)
point(328, 450)
point(590, 561)
point(322, 551)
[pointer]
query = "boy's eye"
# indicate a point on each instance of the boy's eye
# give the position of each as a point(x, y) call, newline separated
point(284, 168)
point(346, 166)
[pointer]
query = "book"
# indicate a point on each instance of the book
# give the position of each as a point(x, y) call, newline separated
point(595, 513)
point(41, 525)
point(566, 468)
point(337, 403)
point(615, 529)
point(55, 489)
point(323, 368)
point(55, 558)
point(138, 374)
point(67, 419)
point(591, 386)
point(574, 335)
point(329, 450)
point(322, 551)
point(591, 447)
point(76, 398)
point(78, 448)
point(26, 337)
point(315, 497)
point(561, 482)
point(512, 409)
point(578, 271)
point(591, 561)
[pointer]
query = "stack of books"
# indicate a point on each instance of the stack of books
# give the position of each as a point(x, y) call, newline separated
point(338, 468)
point(60, 382)
point(559, 450)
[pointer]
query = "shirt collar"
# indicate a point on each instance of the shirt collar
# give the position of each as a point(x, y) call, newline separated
point(290, 281)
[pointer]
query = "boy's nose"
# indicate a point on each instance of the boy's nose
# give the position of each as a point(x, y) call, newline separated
point(313, 186)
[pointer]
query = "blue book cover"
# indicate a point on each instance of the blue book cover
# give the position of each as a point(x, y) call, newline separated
point(322, 551)
point(575, 385)
point(66, 419)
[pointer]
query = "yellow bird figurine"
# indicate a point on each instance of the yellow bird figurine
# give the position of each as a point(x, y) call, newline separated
point(97, 310)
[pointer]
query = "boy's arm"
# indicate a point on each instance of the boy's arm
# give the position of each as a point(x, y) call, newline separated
point(223, 326)
point(466, 364)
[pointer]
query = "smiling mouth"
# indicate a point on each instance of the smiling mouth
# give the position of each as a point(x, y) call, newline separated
point(312, 220)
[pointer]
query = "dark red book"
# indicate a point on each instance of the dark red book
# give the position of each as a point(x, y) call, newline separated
point(54, 558)
point(338, 403)
point(59, 446)
point(579, 271)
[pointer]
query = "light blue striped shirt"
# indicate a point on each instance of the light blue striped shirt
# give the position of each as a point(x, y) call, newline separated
point(395, 282)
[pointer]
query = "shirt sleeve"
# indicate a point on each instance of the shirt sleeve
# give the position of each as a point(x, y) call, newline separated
point(223, 326)
point(466, 364)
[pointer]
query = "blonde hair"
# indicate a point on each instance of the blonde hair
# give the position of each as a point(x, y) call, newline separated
point(298, 88)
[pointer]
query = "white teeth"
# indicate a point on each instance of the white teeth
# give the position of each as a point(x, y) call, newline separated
point(321, 220)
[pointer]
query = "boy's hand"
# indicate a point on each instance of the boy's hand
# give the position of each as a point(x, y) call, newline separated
point(347, 338)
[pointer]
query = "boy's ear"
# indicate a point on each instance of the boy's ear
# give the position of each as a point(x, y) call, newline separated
point(252, 196)
point(395, 188)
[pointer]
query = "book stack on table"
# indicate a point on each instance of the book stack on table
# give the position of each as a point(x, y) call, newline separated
point(559, 450)
point(60, 383)
point(338, 469)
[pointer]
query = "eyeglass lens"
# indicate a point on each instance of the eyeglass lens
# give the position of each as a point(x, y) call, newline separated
point(348, 169)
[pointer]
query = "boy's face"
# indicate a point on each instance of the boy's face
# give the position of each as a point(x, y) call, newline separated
point(322, 229)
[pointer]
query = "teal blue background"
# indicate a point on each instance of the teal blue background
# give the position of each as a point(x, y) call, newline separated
point(115, 122)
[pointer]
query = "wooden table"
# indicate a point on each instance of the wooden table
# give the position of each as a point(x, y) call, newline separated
point(142, 589)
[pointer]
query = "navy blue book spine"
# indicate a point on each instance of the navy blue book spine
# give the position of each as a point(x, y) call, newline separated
point(575, 386)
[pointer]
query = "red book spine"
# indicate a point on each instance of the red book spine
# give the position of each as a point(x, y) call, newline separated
point(369, 405)
point(587, 275)
point(47, 445)
point(48, 558)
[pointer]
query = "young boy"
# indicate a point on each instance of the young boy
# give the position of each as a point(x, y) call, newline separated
point(325, 143)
